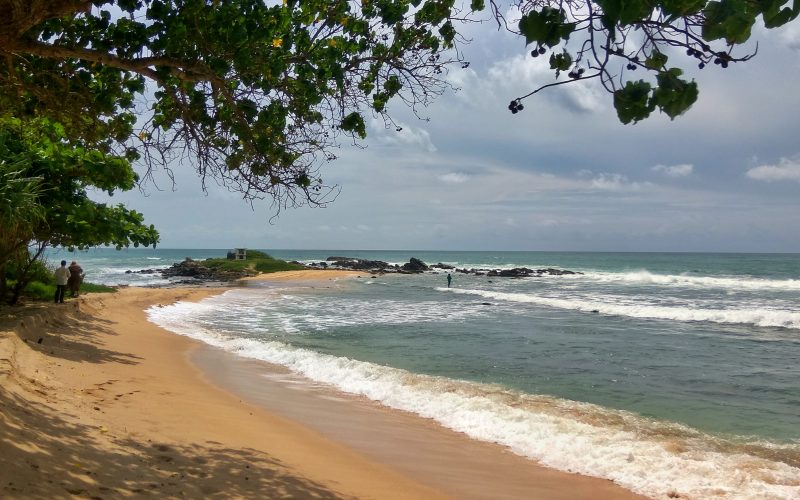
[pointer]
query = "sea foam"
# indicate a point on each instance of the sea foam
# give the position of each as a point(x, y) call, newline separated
point(749, 316)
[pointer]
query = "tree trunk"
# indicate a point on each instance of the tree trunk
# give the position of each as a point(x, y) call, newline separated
point(18, 16)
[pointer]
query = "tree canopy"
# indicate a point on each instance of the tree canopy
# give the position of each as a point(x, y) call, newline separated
point(256, 94)
point(609, 40)
point(44, 179)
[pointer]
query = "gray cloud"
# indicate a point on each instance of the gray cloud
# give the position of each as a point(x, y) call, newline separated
point(681, 170)
point(785, 170)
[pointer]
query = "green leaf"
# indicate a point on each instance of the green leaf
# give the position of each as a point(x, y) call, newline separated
point(560, 62)
point(656, 61)
point(632, 102)
point(731, 20)
point(545, 27)
point(354, 123)
point(673, 95)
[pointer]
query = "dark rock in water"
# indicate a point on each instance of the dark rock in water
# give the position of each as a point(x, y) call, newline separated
point(442, 266)
point(333, 259)
point(357, 264)
point(595, 311)
point(486, 303)
point(415, 266)
point(143, 271)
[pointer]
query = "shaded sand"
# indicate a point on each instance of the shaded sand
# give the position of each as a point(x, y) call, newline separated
point(108, 405)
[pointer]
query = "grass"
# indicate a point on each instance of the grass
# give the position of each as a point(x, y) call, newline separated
point(38, 291)
point(256, 260)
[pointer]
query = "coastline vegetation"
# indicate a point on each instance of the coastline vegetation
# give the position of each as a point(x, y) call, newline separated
point(256, 260)
point(39, 283)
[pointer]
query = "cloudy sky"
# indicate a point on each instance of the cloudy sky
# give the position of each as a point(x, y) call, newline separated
point(563, 174)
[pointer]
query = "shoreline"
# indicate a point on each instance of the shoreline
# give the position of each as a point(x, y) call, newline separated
point(111, 404)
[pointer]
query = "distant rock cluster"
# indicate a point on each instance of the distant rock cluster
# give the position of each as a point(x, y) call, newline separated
point(196, 271)
point(415, 265)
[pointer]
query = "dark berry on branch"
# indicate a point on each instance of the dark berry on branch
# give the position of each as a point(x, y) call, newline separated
point(724, 64)
point(701, 65)
point(534, 53)
point(542, 50)
point(520, 107)
point(717, 60)
point(580, 71)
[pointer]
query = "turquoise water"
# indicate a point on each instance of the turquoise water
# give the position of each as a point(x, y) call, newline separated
point(663, 372)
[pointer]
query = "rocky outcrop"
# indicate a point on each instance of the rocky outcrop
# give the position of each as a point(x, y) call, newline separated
point(415, 266)
point(197, 271)
point(356, 264)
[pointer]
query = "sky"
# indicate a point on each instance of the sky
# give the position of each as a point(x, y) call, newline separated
point(563, 175)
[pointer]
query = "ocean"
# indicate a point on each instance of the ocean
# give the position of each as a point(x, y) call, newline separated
point(668, 373)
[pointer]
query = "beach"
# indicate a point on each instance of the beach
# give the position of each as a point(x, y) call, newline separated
point(97, 401)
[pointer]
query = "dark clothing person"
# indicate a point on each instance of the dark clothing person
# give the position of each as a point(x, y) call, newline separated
point(449, 279)
point(75, 278)
point(62, 276)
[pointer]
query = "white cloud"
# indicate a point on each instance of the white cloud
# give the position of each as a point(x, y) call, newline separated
point(615, 182)
point(520, 74)
point(403, 136)
point(786, 170)
point(454, 178)
point(681, 170)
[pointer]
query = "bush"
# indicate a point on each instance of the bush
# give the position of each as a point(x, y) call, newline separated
point(275, 265)
point(257, 254)
point(36, 290)
point(37, 272)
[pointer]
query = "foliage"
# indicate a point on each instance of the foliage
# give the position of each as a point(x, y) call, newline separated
point(257, 254)
point(257, 260)
point(609, 40)
point(275, 265)
point(41, 168)
point(64, 172)
point(39, 290)
point(20, 211)
point(254, 93)
point(38, 271)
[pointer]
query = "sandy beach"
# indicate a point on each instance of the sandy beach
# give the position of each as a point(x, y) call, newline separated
point(97, 402)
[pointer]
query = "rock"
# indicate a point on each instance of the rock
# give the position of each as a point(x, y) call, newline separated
point(357, 264)
point(442, 266)
point(198, 272)
point(415, 266)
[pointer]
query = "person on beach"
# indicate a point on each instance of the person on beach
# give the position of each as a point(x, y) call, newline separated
point(75, 278)
point(62, 276)
point(449, 279)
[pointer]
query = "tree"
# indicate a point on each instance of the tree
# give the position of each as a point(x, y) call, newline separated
point(254, 93)
point(594, 39)
point(44, 202)
point(20, 213)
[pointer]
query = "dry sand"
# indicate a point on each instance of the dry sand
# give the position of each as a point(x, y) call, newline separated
point(97, 402)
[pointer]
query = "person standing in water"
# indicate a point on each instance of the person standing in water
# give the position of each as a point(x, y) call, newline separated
point(449, 279)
